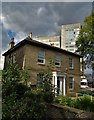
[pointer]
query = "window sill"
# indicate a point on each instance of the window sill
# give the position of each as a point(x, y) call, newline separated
point(41, 64)
point(71, 90)
point(71, 68)
point(58, 66)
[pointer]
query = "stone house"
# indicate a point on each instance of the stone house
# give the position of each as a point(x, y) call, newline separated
point(35, 56)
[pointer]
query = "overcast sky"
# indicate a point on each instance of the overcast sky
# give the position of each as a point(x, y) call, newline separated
point(41, 18)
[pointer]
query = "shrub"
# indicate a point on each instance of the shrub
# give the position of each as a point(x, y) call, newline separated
point(83, 103)
point(45, 87)
point(19, 102)
point(65, 101)
point(91, 107)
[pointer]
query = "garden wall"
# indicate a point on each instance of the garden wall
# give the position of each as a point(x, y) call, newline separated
point(59, 112)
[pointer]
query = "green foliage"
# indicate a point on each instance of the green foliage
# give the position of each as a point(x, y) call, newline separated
point(13, 74)
point(86, 93)
point(83, 103)
point(85, 42)
point(27, 107)
point(0, 74)
point(92, 106)
point(19, 102)
point(65, 101)
point(45, 86)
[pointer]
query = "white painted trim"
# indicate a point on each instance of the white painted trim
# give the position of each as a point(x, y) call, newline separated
point(55, 82)
point(61, 86)
point(64, 87)
point(73, 82)
point(23, 62)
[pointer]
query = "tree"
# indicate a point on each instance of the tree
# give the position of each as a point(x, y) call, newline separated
point(18, 100)
point(45, 86)
point(85, 42)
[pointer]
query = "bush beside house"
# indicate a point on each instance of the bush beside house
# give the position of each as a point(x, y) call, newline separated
point(20, 102)
point(82, 103)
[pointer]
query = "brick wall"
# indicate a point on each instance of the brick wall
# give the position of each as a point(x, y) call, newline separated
point(31, 54)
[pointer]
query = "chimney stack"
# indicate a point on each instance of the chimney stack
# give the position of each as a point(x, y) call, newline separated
point(30, 35)
point(12, 43)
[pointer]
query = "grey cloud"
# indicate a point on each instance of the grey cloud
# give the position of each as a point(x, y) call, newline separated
point(5, 39)
point(47, 0)
point(41, 18)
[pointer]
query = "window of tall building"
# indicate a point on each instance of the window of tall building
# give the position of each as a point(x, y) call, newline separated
point(71, 83)
point(41, 56)
point(58, 60)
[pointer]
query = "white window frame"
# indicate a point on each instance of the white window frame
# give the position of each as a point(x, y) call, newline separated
point(14, 58)
point(71, 63)
point(58, 60)
point(41, 57)
point(72, 88)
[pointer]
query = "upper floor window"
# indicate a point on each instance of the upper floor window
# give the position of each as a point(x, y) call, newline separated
point(71, 83)
point(12, 58)
point(58, 60)
point(41, 56)
point(71, 65)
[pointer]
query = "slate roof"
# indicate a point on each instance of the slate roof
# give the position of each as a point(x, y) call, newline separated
point(40, 44)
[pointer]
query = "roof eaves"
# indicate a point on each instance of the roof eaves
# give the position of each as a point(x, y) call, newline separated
point(25, 41)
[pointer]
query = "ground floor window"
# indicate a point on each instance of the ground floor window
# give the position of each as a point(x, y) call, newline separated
point(39, 80)
point(71, 83)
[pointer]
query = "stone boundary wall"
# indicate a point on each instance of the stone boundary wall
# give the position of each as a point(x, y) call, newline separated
point(69, 113)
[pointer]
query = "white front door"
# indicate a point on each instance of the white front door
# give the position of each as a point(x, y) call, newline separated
point(59, 84)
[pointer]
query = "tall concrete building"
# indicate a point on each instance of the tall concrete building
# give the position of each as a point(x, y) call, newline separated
point(69, 34)
point(67, 38)
point(50, 40)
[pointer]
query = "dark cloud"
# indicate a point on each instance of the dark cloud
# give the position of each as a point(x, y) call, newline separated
point(42, 19)
point(5, 38)
point(48, 0)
